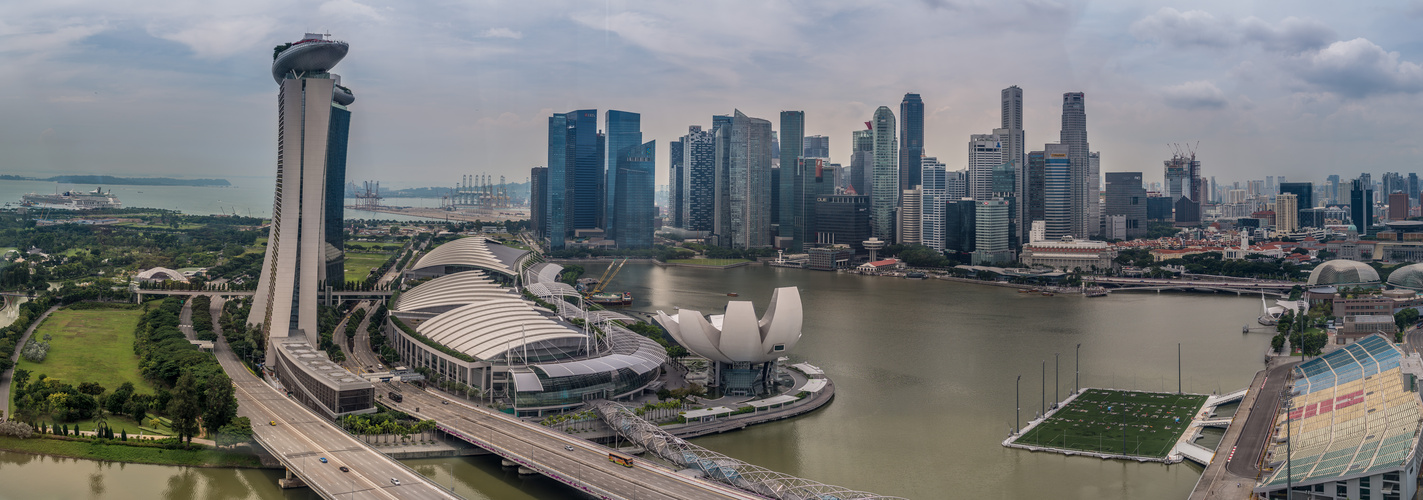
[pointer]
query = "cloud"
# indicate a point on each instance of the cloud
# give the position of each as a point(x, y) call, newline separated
point(1357, 68)
point(349, 9)
point(1203, 29)
point(501, 33)
point(218, 39)
point(1199, 94)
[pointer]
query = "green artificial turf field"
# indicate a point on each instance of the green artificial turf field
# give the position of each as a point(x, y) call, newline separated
point(1102, 420)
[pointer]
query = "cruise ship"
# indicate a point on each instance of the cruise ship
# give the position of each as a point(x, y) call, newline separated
point(77, 200)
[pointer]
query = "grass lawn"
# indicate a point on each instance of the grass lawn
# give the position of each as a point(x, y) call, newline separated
point(94, 345)
point(359, 265)
point(123, 423)
point(373, 246)
point(708, 262)
point(1097, 420)
point(130, 454)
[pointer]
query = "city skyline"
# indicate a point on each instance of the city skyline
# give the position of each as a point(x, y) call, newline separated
point(1339, 82)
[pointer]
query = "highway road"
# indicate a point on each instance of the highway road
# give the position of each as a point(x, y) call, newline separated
point(291, 431)
point(587, 463)
point(1260, 423)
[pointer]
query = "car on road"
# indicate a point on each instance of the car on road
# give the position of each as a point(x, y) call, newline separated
point(274, 422)
point(395, 481)
point(345, 469)
point(323, 460)
point(444, 402)
point(568, 447)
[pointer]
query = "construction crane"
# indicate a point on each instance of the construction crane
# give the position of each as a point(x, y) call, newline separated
point(608, 276)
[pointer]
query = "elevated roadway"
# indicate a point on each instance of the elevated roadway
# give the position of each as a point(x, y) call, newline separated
point(1278, 288)
point(585, 467)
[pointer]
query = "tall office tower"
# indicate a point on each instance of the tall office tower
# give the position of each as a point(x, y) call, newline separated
point(842, 219)
point(985, 153)
point(1361, 204)
point(1033, 187)
point(575, 171)
point(721, 186)
point(676, 185)
point(1010, 134)
point(538, 201)
point(775, 148)
point(792, 190)
point(816, 179)
point(1057, 190)
point(1214, 191)
point(862, 159)
point(1413, 187)
point(1126, 197)
point(1393, 182)
point(817, 146)
point(933, 195)
point(699, 183)
point(959, 230)
point(911, 140)
point(1074, 136)
point(1094, 193)
point(885, 197)
point(1286, 212)
point(623, 131)
point(909, 213)
point(1178, 179)
point(1270, 184)
point(956, 185)
point(991, 232)
point(1005, 181)
point(304, 249)
point(1333, 187)
point(1304, 196)
point(558, 218)
point(633, 207)
point(744, 165)
point(1397, 206)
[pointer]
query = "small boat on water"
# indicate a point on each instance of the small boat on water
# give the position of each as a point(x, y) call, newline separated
point(1048, 294)
point(611, 298)
point(916, 276)
point(732, 294)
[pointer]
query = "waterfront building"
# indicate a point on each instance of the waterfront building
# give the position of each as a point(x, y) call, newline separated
point(862, 161)
point(1126, 197)
point(830, 258)
point(1011, 137)
point(1057, 190)
point(911, 140)
point(910, 213)
point(699, 182)
point(933, 196)
point(1005, 183)
point(885, 197)
point(1094, 193)
point(985, 153)
point(959, 226)
point(1361, 204)
point(842, 219)
point(1286, 213)
point(742, 348)
point(1074, 136)
point(538, 201)
point(791, 208)
point(622, 131)
point(817, 146)
point(676, 185)
point(991, 230)
point(634, 209)
point(576, 174)
point(743, 163)
point(815, 178)
point(1069, 254)
point(304, 248)
point(1034, 186)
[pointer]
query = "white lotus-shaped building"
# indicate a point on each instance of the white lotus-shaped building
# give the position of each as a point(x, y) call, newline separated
point(738, 336)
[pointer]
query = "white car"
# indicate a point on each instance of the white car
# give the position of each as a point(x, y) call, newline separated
point(395, 481)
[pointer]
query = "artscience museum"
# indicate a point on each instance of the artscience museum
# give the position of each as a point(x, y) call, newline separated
point(742, 348)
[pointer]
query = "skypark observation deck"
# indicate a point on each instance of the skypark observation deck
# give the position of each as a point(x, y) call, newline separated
point(1353, 427)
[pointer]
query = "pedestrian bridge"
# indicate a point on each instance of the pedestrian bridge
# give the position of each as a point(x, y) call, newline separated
point(1195, 453)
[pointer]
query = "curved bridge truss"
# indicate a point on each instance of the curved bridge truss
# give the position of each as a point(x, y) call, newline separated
point(718, 467)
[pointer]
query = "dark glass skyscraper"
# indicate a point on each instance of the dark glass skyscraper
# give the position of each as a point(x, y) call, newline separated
point(1126, 196)
point(623, 131)
point(1074, 136)
point(1361, 204)
point(791, 207)
point(676, 193)
point(538, 201)
point(575, 173)
point(911, 140)
point(336, 139)
point(699, 183)
point(633, 207)
point(817, 146)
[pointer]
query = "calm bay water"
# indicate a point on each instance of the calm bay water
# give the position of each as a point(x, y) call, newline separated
point(925, 374)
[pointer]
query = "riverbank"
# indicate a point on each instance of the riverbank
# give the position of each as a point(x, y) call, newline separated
point(91, 450)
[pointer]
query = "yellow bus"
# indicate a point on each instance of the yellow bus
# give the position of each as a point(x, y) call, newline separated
point(620, 459)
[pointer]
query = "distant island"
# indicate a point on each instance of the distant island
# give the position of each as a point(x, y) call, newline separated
point(120, 181)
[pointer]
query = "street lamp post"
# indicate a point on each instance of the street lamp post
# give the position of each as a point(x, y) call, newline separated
point(1056, 379)
point(1044, 401)
point(1077, 381)
point(1017, 406)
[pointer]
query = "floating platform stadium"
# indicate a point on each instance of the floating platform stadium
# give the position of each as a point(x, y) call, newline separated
point(1349, 428)
point(1113, 424)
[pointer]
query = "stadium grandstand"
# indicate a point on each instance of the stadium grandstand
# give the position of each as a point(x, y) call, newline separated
point(1353, 427)
point(463, 324)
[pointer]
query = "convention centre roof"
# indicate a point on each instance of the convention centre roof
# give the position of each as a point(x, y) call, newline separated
point(451, 291)
point(489, 328)
point(476, 252)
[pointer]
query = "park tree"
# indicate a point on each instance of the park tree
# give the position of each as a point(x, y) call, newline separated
point(91, 388)
point(118, 401)
point(185, 406)
point(221, 405)
point(1277, 342)
point(236, 432)
point(1404, 318)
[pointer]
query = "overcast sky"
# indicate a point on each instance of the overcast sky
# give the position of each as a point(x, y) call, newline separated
point(182, 88)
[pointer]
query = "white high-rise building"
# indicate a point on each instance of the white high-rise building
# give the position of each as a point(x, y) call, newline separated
point(909, 232)
point(933, 194)
point(991, 232)
point(1094, 193)
point(985, 152)
point(302, 254)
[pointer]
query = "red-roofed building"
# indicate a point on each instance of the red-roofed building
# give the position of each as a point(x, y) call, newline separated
point(880, 265)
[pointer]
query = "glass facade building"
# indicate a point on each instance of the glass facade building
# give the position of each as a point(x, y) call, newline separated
point(885, 171)
point(623, 132)
point(911, 140)
point(1057, 191)
point(634, 209)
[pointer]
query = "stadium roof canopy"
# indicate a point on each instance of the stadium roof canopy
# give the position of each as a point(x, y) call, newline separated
point(472, 252)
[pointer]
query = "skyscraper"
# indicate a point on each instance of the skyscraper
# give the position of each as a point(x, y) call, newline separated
point(991, 232)
point(699, 183)
point(792, 207)
point(1126, 197)
point(985, 153)
point(911, 140)
point(1033, 187)
point(817, 146)
point(933, 196)
point(1013, 146)
point(633, 206)
point(1286, 212)
point(676, 187)
point(1304, 196)
point(623, 131)
point(558, 218)
point(744, 167)
point(303, 250)
point(1074, 136)
point(1332, 182)
point(1057, 190)
point(885, 198)
point(538, 201)
point(576, 176)
point(1094, 193)
point(862, 158)
point(1361, 204)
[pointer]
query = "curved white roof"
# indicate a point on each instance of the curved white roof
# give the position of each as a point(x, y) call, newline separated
point(161, 273)
point(451, 290)
point(487, 329)
point(474, 251)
